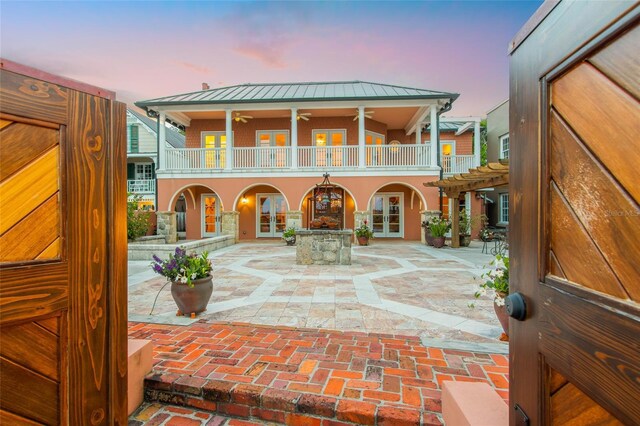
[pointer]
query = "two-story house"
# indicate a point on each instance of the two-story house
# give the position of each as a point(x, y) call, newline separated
point(255, 152)
point(142, 151)
point(498, 149)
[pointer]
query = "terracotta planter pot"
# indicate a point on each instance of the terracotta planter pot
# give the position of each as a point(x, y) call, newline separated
point(465, 240)
point(363, 241)
point(428, 237)
point(438, 242)
point(192, 300)
point(503, 317)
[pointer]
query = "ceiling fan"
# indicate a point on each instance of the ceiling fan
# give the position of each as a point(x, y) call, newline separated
point(301, 116)
point(237, 116)
point(367, 114)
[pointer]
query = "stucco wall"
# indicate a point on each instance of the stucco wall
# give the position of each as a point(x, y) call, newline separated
point(497, 125)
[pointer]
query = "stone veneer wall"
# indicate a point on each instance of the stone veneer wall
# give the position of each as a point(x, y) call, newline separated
point(323, 247)
point(167, 226)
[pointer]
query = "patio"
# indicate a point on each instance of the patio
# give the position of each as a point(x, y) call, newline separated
point(391, 287)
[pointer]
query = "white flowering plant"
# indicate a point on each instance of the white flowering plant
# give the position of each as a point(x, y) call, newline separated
point(289, 234)
point(183, 268)
point(496, 280)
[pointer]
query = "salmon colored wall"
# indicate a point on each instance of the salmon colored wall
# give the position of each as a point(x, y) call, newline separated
point(248, 216)
point(245, 133)
point(464, 142)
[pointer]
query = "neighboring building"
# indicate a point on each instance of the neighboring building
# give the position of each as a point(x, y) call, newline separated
point(498, 149)
point(370, 137)
point(142, 143)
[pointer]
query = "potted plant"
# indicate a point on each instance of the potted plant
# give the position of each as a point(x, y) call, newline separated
point(289, 236)
point(439, 227)
point(496, 284)
point(427, 233)
point(363, 233)
point(190, 277)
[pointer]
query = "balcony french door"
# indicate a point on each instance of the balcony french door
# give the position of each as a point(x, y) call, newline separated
point(387, 215)
point(329, 147)
point(215, 144)
point(211, 219)
point(273, 152)
point(271, 215)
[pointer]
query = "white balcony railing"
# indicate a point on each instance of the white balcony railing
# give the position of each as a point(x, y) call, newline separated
point(262, 158)
point(454, 164)
point(314, 157)
point(141, 186)
point(195, 158)
point(398, 155)
point(328, 157)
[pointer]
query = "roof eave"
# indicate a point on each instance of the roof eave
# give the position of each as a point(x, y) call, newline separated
point(149, 103)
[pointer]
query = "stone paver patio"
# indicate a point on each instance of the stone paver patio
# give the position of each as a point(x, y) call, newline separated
point(391, 287)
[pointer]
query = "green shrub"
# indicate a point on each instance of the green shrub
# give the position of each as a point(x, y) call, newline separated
point(137, 220)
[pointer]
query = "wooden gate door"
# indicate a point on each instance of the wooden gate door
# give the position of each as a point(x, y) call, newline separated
point(63, 341)
point(575, 229)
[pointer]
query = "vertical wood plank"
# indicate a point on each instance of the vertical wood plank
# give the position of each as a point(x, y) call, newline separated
point(117, 242)
point(88, 141)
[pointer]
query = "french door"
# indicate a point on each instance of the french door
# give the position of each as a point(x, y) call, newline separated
point(329, 150)
point(211, 219)
point(271, 215)
point(215, 154)
point(275, 152)
point(387, 215)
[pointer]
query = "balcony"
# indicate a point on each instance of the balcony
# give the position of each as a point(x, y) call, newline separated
point(141, 186)
point(343, 157)
point(454, 164)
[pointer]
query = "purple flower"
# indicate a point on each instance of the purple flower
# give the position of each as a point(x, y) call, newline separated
point(180, 252)
point(157, 268)
point(157, 259)
point(172, 265)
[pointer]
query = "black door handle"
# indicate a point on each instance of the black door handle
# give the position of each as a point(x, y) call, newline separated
point(516, 306)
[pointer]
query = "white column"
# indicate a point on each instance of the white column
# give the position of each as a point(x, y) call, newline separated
point(476, 144)
point(361, 138)
point(294, 138)
point(418, 133)
point(229, 135)
point(434, 135)
point(162, 136)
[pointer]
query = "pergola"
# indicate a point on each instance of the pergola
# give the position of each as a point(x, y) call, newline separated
point(491, 175)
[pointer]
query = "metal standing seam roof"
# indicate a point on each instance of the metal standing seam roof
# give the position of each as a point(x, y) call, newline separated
point(175, 139)
point(299, 92)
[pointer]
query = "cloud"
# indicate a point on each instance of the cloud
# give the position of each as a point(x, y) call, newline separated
point(199, 69)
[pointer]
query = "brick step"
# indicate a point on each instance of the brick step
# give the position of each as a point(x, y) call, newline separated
point(254, 402)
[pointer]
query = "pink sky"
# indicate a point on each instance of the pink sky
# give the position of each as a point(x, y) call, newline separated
point(144, 50)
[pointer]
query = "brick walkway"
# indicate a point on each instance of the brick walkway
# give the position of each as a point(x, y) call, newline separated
point(306, 376)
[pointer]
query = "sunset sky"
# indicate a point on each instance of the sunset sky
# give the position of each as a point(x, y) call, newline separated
point(144, 50)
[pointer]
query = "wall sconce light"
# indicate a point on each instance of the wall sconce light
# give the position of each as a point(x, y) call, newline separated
point(244, 200)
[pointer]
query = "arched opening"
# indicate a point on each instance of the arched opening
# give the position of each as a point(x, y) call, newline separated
point(198, 212)
point(349, 207)
point(395, 211)
point(262, 212)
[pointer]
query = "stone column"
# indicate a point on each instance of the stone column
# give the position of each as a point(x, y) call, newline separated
point(294, 219)
point(426, 215)
point(231, 224)
point(167, 226)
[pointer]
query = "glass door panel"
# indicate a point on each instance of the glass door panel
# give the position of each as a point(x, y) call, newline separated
point(394, 216)
point(264, 141)
point(264, 216)
point(337, 139)
point(321, 150)
point(280, 215)
point(217, 143)
point(281, 141)
point(210, 215)
point(377, 214)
